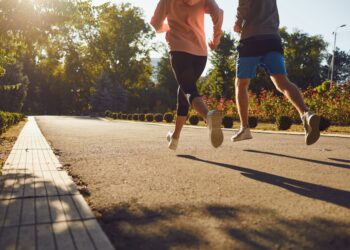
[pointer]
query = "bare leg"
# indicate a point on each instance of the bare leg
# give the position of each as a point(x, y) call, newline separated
point(242, 100)
point(179, 123)
point(291, 91)
point(199, 106)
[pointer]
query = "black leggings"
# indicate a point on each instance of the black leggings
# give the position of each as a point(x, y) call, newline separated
point(187, 69)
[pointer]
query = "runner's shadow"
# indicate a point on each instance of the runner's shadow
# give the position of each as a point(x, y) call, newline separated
point(333, 164)
point(327, 194)
point(340, 160)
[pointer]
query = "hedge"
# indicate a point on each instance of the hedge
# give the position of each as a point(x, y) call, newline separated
point(9, 119)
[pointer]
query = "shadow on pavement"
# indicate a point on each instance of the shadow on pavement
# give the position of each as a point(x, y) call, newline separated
point(327, 194)
point(130, 227)
point(29, 207)
point(340, 160)
point(216, 226)
point(332, 164)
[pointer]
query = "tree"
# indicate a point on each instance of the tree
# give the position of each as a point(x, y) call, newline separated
point(341, 66)
point(166, 81)
point(13, 88)
point(122, 44)
point(109, 96)
point(220, 81)
point(304, 55)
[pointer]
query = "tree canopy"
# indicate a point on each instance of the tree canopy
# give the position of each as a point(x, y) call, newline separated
point(71, 57)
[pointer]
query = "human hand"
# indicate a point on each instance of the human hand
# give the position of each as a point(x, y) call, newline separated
point(212, 45)
point(237, 28)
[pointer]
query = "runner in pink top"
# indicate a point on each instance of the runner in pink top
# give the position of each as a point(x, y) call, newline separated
point(183, 22)
point(185, 26)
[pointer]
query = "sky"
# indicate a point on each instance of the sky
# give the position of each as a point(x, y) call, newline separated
point(315, 17)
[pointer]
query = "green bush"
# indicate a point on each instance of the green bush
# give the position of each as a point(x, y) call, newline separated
point(108, 113)
point(149, 117)
point(297, 121)
point(130, 117)
point(227, 121)
point(18, 117)
point(194, 119)
point(324, 123)
point(8, 119)
point(253, 122)
point(11, 119)
point(284, 122)
point(135, 117)
point(3, 122)
point(158, 117)
point(142, 117)
point(124, 116)
point(114, 116)
point(168, 117)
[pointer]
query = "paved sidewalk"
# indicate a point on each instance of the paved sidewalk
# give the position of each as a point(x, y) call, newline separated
point(40, 206)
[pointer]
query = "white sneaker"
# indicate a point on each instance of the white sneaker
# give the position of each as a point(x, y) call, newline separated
point(311, 123)
point(242, 134)
point(214, 120)
point(172, 141)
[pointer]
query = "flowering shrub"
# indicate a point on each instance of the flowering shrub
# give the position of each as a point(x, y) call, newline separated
point(331, 101)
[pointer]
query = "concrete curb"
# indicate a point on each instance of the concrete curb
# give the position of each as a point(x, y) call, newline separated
point(227, 129)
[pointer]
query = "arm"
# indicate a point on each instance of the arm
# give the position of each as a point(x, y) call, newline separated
point(217, 16)
point(159, 16)
point(242, 11)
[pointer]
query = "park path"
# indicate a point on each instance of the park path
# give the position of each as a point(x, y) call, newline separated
point(272, 192)
point(40, 206)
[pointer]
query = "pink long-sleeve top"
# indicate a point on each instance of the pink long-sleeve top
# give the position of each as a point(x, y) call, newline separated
point(185, 24)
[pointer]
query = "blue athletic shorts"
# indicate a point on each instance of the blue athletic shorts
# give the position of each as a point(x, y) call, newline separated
point(273, 62)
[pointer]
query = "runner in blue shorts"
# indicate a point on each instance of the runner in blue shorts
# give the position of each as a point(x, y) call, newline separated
point(260, 45)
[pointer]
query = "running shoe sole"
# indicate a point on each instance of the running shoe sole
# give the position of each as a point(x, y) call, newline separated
point(314, 130)
point(214, 124)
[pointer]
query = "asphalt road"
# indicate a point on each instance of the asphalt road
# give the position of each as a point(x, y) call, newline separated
point(272, 192)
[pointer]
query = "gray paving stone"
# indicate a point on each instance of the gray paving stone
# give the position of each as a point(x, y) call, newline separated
point(42, 210)
point(98, 236)
point(45, 237)
point(63, 236)
point(13, 214)
point(70, 210)
point(83, 208)
point(81, 236)
point(3, 210)
point(28, 211)
point(8, 238)
point(40, 206)
point(26, 239)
